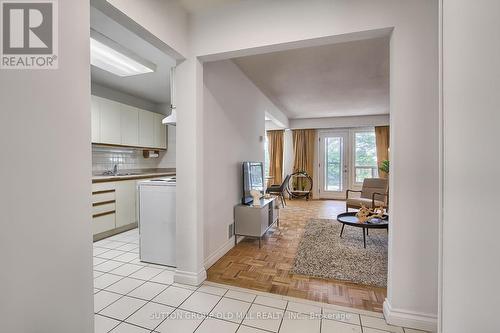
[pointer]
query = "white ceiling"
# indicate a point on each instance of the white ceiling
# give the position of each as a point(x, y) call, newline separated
point(194, 6)
point(153, 87)
point(344, 79)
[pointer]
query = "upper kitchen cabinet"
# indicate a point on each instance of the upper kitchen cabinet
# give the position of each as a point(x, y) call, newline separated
point(110, 121)
point(96, 121)
point(129, 125)
point(147, 129)
point(160, 131)
point(114, 123)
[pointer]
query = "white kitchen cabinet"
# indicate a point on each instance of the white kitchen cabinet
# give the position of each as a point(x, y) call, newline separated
point(103, 207)
point(115, 123)
point(129, 125)
point(160, 131)
point(103, 223)
point(114, 205)
point(110, 122)
point(146, 129)
point(95, 119)
point(125, 202)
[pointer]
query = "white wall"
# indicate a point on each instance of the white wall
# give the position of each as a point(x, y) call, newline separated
point(470, 246)
point(166, 20)
point(46, 237)
point(233, 131)
point(168, 160)
point(124, 98)
point(243, 27)
point(277, 116)
point(340, 122)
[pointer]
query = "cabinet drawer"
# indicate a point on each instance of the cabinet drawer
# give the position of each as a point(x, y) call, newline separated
point(103, 196)
point(100, 187)
point(103, 223)
point(103, 208)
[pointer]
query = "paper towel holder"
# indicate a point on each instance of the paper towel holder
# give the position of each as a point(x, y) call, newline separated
point(151, 153)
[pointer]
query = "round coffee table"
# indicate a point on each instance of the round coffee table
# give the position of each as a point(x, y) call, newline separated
point(351, 220)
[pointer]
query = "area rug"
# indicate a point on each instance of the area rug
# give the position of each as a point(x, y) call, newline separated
point(322, 253)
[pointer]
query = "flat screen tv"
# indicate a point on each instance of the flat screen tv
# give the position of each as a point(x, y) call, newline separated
point(253, 179)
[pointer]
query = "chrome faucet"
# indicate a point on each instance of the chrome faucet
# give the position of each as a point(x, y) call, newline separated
point(111, 173)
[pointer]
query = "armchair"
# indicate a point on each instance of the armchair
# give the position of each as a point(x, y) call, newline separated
point(374, 193)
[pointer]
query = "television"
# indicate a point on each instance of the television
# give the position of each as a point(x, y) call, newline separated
point(253, 179)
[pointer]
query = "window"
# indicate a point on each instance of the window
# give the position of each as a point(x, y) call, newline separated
point(365, 156)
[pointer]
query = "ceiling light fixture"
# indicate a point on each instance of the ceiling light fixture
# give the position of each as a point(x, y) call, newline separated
point(110, 56)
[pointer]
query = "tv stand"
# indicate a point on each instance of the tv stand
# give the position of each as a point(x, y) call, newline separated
point(254, 221)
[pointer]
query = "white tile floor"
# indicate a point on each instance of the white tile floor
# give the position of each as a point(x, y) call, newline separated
point(131, 296)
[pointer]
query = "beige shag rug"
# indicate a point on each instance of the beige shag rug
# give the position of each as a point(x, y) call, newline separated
point(322, 253)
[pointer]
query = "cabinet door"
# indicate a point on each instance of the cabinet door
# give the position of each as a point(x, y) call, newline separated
point(146, 129)
point(129, 125)
point(125, 202)
point(103, 223)
point(95, 119)
point(160, 132)
point(110, 116)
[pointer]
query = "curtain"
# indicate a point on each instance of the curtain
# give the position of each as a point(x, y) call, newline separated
point(303, 146)
point(382, 141)
point(275, 148)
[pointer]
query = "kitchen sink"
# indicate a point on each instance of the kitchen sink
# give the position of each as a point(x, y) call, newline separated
point(120, 174)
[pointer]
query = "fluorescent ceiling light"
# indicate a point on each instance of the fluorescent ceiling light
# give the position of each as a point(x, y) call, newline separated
point(112, 57)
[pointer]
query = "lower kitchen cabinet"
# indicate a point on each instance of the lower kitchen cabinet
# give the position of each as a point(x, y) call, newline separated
point(125, 202)
point(103, 223)
point(114, 207)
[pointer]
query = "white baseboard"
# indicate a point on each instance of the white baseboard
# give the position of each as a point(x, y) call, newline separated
point(219, 253)
point(190, 278)
point(410, 319)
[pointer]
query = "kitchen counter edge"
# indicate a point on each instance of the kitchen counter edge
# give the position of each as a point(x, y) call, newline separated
point(105, 179)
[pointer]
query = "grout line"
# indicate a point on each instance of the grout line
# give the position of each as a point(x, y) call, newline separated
point(251, 304)
point(208, 313)
point(283, 317)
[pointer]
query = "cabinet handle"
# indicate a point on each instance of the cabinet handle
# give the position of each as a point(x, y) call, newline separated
point(103, 203)
point(103, 214)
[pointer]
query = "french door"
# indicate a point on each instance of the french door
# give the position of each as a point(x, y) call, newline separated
point(333, 164)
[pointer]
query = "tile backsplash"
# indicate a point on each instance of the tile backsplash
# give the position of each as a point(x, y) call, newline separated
point(104, 159)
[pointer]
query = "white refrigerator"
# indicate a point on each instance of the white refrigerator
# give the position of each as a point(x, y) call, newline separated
point(157, 221)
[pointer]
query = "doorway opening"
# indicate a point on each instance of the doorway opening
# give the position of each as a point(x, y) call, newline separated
point(334, 96)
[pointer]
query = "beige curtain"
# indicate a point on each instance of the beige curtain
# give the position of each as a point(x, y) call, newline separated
point(382, 141)
point(303, 147)
point(275, 148)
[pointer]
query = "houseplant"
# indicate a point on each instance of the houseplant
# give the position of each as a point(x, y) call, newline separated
point(384, 166)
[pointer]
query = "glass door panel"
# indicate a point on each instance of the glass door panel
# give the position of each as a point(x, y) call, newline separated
point(333, 165)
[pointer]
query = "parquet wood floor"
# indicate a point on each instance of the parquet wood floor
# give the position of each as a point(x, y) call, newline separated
point(267, 269)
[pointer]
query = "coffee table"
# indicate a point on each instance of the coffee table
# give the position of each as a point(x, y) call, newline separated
point(350, 219)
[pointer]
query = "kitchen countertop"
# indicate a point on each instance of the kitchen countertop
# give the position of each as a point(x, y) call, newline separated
point(133, 174)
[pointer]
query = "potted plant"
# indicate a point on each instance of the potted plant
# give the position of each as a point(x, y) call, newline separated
point(384, 166)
